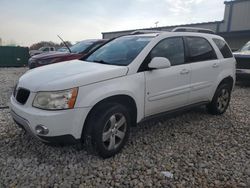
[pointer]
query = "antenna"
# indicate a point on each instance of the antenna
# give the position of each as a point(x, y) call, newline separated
point(64, 43)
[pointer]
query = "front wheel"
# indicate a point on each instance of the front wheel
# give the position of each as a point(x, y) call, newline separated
point(221, 100)
point(109, 126)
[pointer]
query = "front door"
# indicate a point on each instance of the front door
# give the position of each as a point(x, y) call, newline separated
point(168, 88)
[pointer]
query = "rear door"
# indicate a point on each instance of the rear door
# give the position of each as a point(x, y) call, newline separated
point(205, 68)
point(168, 88)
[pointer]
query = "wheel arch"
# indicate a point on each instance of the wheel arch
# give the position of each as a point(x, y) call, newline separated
point(229, 80)
point(225, 79)
point(122, 99)
point(215, 107)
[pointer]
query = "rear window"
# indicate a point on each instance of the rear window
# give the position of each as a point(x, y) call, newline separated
point(199, 49)
point(246, 47)
point(223, 47)
point(80, 46)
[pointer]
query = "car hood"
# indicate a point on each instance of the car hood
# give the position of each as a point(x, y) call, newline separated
point(35, 51)
point(52, 55)
point(69, 74)
point(242, 54)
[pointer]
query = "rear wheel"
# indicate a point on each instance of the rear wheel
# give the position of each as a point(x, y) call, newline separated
point(108, 129)
point(221, 100)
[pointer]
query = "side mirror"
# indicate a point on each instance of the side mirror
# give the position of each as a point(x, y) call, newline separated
point(159, 63)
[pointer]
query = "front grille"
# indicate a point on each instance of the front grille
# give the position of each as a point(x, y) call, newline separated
point(22, 95)
point(243, 63)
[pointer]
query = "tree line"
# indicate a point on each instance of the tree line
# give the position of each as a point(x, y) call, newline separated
point(50, 44)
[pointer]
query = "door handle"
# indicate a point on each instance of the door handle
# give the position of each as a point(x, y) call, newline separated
point(215, 65)
point(184, 71)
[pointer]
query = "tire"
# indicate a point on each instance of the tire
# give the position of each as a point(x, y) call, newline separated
point(108, 129)
point(221, 100)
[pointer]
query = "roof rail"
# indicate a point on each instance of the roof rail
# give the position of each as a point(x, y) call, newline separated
point(137, 32)
point(193, 29)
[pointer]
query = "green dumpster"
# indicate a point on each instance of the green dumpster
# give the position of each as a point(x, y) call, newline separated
point(11, 56)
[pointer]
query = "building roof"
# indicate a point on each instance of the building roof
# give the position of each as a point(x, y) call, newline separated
point(234, 1)
point(164, 27)
point(224, 26)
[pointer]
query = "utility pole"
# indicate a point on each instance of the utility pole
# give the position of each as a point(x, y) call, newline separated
point(156, 23)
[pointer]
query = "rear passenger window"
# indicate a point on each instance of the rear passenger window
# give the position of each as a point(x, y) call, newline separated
point(199, 49)
point(171, 48)
point(223, 47)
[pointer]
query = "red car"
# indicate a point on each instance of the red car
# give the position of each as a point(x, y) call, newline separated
point(77, 51)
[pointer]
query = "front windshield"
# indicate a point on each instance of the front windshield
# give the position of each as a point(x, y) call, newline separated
point(120, 51)
point(246, 47)
point(80, 46)
point(63, 49)
point(42, 48)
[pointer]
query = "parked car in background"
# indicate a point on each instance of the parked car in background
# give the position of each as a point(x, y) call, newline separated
point(41, 50)
point(62, 49)
point(243, 62)
point(126, 81)
point(77, 51)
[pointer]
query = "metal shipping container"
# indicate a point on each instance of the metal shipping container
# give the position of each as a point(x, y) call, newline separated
point(11, 56)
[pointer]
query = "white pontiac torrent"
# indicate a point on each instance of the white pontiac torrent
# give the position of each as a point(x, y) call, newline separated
point(124, 82)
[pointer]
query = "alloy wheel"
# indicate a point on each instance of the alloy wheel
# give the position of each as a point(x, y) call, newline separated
point(114, 131)
point(223, 100)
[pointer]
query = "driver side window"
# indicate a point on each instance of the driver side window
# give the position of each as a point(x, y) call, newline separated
point(171, 48)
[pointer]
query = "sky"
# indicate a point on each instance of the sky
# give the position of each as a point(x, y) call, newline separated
point(26, 22)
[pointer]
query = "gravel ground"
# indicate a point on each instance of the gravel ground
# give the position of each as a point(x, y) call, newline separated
point(198, 149)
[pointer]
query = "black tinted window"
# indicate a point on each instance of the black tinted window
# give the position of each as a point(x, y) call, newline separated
point(246, 47)
point(171, 48)
point(224, 49)
point(81, 46)
point(199, 49)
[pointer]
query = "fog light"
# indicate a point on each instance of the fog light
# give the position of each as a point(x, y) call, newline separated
point(42, 130)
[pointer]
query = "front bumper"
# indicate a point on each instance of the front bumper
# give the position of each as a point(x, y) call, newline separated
point(64, 125)
point(243, 74)
point(22, 123)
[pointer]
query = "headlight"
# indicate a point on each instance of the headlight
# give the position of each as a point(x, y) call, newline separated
point(56, 100)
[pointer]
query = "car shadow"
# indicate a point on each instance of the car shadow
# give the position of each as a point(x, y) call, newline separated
point(243, 83)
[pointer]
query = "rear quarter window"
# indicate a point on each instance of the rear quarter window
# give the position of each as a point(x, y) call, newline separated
point(223, 47)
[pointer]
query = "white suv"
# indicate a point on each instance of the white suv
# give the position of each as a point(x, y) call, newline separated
point(127, 80)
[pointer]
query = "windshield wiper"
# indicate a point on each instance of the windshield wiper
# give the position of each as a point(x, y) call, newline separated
point(101, 61)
